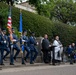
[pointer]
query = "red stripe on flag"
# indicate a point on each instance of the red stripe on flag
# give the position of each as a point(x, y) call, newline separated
point(9, 26)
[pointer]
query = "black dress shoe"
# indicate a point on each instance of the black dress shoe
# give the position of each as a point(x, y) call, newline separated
point(71, 63)
point(23, 64)
point(11, 64)
point(25, 59)
point(1, 64)
point(31, 63)
point(15, 59)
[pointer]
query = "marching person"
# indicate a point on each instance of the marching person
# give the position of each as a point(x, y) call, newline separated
point(14, 46)
point(33, 49)
point(24, 46)
point(6, 44)
point(58, 47)
point(2, 41)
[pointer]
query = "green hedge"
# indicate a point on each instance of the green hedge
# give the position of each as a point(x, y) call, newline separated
point(31, 21)
point(67, 33)
point(40, 25)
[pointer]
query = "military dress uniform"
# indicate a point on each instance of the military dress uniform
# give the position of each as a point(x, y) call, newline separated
point(6, 45)
point(1, 49)
point(14, 46)
point(24, 46)
point(33, 49)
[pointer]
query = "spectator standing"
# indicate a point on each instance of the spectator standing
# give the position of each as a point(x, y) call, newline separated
point(58, 46)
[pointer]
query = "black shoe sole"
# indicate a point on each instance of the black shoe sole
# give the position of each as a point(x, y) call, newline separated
point(23, 64)
point(11, 64)
point(1, 64)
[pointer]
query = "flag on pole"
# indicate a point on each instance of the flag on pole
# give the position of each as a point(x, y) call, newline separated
point(20, 30)
point(9, 24)
point(20, 27)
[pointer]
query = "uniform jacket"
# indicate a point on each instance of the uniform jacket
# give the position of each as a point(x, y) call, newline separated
point(32, 43)
point(1, 41)
point(25, 40)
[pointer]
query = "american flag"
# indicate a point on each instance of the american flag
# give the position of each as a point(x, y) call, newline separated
point(9, 24)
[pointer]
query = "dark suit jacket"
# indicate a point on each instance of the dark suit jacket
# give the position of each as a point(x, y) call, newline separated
point(45, 44)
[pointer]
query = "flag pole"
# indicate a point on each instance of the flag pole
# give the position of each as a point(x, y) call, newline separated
point(9, 26)
point(20, 30)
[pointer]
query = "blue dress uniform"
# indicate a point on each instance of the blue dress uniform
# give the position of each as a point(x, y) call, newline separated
point(24, 46)
point(1, 49)
point(33, 50)
point(14, 46)
point(6, 45)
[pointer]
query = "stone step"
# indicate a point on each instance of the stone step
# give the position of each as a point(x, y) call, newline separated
point(38, 59)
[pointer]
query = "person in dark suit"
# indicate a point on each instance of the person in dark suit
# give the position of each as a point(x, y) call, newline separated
point(45, 48)
point(33, 49)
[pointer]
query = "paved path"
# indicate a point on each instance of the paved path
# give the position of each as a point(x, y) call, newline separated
point(41, 70)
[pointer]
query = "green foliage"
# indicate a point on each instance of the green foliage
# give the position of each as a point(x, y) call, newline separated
point(39, 24)
point(61, 10)
point(66, 33)
point(3, 15)
point(65, 11)
point(35, 2)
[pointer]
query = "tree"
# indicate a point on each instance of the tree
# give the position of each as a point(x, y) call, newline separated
point(65, 11)
point(62, 10)
point(1, 21)
point(35, 2)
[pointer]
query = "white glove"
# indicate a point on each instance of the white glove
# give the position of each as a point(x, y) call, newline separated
point(11, 46)
point(49, 45)
point(23, 40)
point(14, 40)
point(4, 41)
point(37, 43)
